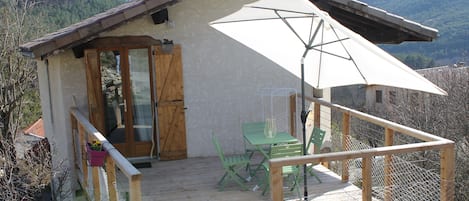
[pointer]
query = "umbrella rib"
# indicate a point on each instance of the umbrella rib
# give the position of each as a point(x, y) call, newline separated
point(289, 26)
point(249, 20)
point(355, 64)
point(311, 32)
point(282, 10)
point(311, 39)
point(320, 55)
point(335, 41)
point(329, 53)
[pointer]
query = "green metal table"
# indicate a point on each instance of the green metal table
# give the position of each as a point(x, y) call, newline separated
point(258, 139)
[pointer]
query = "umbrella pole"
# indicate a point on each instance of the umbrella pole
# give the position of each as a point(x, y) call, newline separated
point(304, 115)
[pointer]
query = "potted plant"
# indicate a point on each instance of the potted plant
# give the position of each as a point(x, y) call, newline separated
point(95, 152)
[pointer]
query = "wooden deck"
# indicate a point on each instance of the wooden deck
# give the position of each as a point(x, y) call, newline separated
point(195, 179)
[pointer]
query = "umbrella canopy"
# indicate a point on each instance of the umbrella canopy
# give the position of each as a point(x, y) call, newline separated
point(301, 38)
point(295, 31)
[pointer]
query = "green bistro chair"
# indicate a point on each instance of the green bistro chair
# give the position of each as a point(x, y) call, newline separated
point(231, 164)
point(257, 127)
point(316, 139)
point(282, 151)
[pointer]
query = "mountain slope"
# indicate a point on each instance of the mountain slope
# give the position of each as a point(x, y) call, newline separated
point(449, 17)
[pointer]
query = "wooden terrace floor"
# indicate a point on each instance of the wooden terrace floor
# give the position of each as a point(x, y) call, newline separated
point(195, 179)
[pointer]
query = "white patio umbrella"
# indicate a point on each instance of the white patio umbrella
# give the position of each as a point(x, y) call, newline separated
point(307, 42)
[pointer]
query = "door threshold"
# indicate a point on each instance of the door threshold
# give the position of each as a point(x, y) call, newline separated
point(141, 162)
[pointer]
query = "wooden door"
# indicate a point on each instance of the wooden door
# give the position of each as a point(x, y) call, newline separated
point(170, 103)
point(119, 98)
point(95, 99)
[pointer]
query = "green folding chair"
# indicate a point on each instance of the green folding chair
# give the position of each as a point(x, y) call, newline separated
point(231, 164)
point(282, 151)
point(257, 127)
point(316, 139)
point(249, 127)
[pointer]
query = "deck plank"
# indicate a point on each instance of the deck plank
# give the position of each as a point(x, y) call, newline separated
point(195, 179)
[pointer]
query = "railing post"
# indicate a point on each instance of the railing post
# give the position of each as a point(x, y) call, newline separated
point(317, 115)
point(135, 188)
point(73, 123)
point(388, 170)
point(366, 175)
point(293, 115)
point(86, 131)
point(84, 164)
point(447, 160)
point(317, 123)
point(345, 145)
point(96, 186)
point(276, 183)
point(111, 178)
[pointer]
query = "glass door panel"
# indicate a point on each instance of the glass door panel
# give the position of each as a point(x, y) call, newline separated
point(114, 103)
point(140, 87)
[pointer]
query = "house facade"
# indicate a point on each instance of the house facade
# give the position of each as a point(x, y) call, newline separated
point(151, 97)
point(422, 109)
point(156, 80)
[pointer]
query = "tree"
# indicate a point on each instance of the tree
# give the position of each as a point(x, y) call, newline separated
point(416, 61)
point(17, 75)
point(446, 116)
point(21, 178)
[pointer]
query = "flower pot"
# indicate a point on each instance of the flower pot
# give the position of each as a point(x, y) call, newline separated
point(95, 158)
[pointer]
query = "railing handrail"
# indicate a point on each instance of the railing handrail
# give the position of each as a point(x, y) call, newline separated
point(383, 122)
point(84, 130)
point(346, 155)
point(120, 161)
point(430, 142)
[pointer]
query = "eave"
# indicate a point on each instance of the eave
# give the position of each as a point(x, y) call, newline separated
point(376, 25)
point(90, 28)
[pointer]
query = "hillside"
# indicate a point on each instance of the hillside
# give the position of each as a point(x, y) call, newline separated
point(449, 17)
point(61, 13)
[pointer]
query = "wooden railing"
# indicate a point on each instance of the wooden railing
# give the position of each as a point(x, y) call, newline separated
point(430, 142)
point(82, 133)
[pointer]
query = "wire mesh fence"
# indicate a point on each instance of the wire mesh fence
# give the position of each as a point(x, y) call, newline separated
point(407, 176)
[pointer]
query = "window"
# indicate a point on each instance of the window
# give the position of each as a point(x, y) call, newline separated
point(379, 96)
point(392, 97)
point(414, 99)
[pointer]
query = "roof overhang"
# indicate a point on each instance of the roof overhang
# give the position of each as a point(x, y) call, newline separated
point(89, 29)
point(376, 25)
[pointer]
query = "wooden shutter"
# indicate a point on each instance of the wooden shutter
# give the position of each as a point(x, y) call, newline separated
point(170, 103)
point(93, 86)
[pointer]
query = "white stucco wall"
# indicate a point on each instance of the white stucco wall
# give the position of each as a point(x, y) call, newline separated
point(221, 78)
point(61, 77)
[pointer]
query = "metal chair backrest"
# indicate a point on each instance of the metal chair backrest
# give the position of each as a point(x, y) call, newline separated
point(218, 148)
point(286, 150)
point(250, 127)
point(316, 138)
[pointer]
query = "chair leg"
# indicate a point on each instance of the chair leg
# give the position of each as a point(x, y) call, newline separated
point(222, 181)
point(310, 170)
point(231, 174)
point(248, 166)
point(222, 178)
point(238, 179)
point(266, 183)
point(258, 167)
point(239, 176)
point(296, 184)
